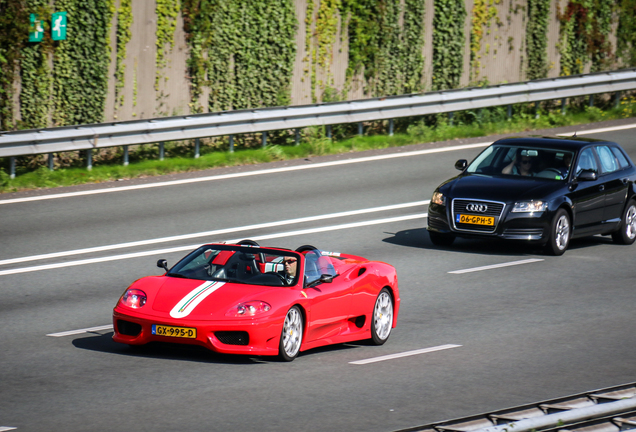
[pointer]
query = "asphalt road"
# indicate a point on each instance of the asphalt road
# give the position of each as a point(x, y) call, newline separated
point(548, 328)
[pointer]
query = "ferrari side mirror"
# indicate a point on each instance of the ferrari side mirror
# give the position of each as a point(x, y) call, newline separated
point(162, 263)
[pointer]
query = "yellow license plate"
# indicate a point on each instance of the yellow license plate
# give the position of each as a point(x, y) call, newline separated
point(476, 220)
point(180, 332)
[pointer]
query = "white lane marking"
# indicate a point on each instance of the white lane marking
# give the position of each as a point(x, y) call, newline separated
point(80, 331)
point(6, 428)
point(191, 247)
point(404, 354)
point(211, 233)
point(601, 130)
point(494, 266)
point(246, 174)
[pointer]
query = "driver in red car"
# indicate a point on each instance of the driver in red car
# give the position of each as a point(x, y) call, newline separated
point(291, 265)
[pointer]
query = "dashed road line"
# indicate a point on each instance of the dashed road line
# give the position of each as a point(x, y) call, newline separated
point(495, 266)
point(191, 247)
point(404, 354)
point(212, 233)
point(80, 331)
point(6, 428)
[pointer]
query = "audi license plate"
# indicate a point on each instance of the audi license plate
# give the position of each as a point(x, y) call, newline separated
point(475, 220)
point(180, 332)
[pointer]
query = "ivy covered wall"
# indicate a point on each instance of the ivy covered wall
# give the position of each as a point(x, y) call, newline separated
point(188, 56)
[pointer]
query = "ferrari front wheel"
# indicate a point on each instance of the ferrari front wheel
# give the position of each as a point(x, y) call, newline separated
point(292, 335)
point(382, 319)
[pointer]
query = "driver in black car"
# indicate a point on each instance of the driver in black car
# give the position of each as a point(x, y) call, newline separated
point(520, 165)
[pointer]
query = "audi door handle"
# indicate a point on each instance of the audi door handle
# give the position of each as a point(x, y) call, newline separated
point(601, 187)
point(624, 181)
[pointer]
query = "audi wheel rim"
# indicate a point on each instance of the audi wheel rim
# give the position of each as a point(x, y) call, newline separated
point(562, 232)
point(630, 222)
point(383, 315)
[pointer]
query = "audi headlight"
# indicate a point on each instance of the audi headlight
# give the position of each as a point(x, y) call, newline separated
point(438, 198)
point(529, 206)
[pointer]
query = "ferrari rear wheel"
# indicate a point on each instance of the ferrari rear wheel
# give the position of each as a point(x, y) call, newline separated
point(382, 320)
point(292, 335)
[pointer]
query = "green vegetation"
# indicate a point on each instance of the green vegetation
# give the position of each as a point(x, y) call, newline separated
point(108, 166)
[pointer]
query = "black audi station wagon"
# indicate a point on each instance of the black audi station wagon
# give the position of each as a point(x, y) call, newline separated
point(542, 190)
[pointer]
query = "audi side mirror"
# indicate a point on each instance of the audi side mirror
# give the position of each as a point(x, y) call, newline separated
point(461, 164)
point(162, 263)
point(587, 175)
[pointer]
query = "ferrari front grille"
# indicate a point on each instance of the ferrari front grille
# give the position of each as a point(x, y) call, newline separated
point(233, 337)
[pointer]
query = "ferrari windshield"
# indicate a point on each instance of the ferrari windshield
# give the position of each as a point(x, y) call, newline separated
point(239, 264)
point(522, 161)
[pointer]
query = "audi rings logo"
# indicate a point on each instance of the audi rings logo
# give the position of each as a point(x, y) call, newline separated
point(477, 208)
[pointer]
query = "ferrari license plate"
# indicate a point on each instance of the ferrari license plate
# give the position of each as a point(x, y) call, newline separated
point(475, 220)
point(180, 332)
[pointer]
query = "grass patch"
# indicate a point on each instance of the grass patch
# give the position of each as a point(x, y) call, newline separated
point(32, 174)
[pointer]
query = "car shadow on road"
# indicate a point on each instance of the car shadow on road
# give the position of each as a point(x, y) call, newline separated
point(418, 238)
point(104, 343)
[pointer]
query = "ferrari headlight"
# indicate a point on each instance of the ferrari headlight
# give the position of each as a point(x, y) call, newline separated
point(438, 198)
point(529, 206)
point(133, 298)
point(250, 308)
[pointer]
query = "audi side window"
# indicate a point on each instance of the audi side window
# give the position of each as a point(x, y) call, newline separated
point(586, 161)
point(620, 157)
point(608, 161)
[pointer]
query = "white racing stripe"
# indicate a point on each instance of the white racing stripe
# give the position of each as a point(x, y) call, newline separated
point(403, 354)
point(211, 233)
point(80, 331)
point(191, 247)
point(247, 174)
point(495, 266)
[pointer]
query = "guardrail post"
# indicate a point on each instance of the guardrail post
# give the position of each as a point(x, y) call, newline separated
point(617, 99)
point(360, 129)
point(89, 159)
point(126, 155)
point(390, 127)
point(591, 100)
point(450, 118)
point(536, 109)
point(162, 150)
point(328, 131)
point(197, 147)
point(563, 106)
point(51, 166)
point(12, 167)
point(264, 138)
point(231, 143)
point(509, 112)
point(297, 136)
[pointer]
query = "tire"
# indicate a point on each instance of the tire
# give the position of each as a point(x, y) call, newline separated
point(382, 317)
point(291, 336)
point(439, 239)
point(626, 234)
point(560, 233)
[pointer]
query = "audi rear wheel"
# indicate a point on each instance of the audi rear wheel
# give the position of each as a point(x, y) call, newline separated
point(626, 234)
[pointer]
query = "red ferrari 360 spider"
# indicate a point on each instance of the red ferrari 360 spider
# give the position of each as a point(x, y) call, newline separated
point(246, 299)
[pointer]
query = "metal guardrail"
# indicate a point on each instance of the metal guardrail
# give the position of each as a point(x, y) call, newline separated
point(92, 136)
point(611, 409)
